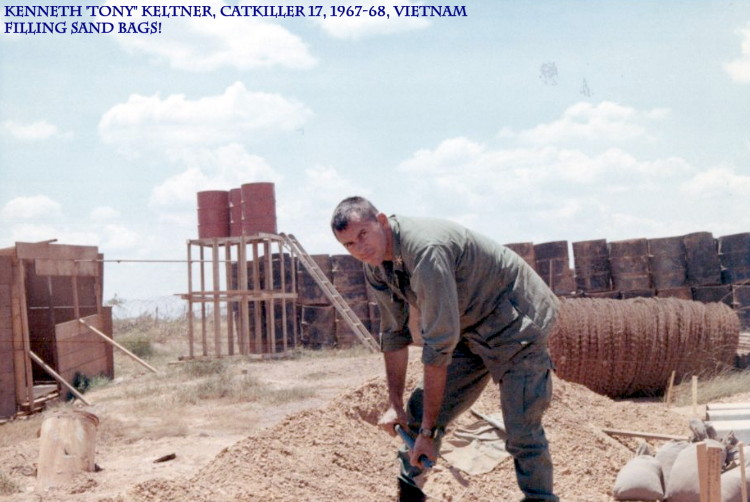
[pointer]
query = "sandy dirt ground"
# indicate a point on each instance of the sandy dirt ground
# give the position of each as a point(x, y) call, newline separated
point(322, 448)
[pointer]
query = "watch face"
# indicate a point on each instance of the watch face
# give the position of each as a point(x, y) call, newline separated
point(430, 433)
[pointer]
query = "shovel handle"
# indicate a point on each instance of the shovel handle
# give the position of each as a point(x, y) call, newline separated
point(410, 443)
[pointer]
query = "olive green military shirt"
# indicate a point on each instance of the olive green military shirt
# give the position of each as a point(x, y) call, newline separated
point(464, 285)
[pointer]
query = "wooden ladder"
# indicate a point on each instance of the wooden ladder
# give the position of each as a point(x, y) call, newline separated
point(331, 293)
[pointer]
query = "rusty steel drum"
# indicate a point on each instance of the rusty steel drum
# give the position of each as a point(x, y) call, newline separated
point(213, 214)
point(734, 255)
point(258, 208)
point(552, 264)
point(668, 263)
point(525, 250)
point(235, 212)
point(591, 260)
point(630, 265)
point(702, 257)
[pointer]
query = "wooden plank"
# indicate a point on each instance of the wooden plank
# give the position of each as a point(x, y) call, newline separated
point(58, 378)
point(730, 414)
point(243, 338)
point(258, 324)
point(709, 472)
point(21, 339)
point(81, 352)
point(646, 435)
point(216, 304)
point(90, 368)
point(727, 425)
point(743, 474)
point(32, 251)
point(202, 268)
point(77, 346)
point(191, 319)
point(728, 406)
point(66, 267)
point(6, 270)
point(115, 344)
point(5, 288)
point(7, 394)
point(230, 317)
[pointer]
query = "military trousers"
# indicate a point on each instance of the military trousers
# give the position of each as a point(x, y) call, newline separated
point(525, 394)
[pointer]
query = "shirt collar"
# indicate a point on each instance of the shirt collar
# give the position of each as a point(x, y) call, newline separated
point(398, 260)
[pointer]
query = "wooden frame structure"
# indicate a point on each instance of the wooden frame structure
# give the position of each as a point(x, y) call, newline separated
point(45, 290)
point(255, 288)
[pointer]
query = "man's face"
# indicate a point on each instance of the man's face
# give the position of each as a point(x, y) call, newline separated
point(367, 240)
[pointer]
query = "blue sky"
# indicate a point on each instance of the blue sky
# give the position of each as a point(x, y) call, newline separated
point(528, 121)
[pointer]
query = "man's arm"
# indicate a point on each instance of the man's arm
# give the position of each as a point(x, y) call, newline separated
point(396, 362)
point(434, 389)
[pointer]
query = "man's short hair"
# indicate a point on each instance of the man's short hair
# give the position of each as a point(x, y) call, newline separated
point(350, 208)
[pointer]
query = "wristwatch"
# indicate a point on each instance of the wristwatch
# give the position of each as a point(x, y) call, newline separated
point(429, 433)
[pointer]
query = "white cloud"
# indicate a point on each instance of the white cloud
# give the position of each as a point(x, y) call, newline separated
point(35, 131)
point(717, 182)
point(605, 122)
point(365, 26)
point(305, 207)
point(38, 232)
point(739, 69)
point(33, 208)
point(176, 121)
point(220, 169)
point(204, 44)
point(524, 191)
point(119, 238)
point(103, 214)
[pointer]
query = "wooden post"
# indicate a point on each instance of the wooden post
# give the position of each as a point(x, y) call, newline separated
point(190, 300)
point(25, 342)
point(216, 304)
point(670, 389)
point(709, 472)
point(230, 303)
point(743, 474)
point(115, 344)
point(57, 377)
point(695, 395)
point(257, 347)
point(282, 267)
point(294, 303)
point(244, 305)
point(270, 314)
point(203, 303)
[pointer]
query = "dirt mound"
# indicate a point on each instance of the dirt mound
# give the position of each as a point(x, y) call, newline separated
point(337, 453)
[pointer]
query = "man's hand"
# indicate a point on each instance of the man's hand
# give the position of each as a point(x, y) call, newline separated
point(390, 418)
point(423, 447)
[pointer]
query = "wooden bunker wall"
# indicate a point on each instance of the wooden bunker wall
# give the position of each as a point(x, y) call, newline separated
point(45, 289)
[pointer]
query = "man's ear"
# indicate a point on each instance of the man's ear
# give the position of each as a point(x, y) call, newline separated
point(383, 220)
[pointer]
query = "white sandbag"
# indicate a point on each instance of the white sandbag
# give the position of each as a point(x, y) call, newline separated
point(731, 484)
point(667, 454)
point(640, 479)
point(684, 484)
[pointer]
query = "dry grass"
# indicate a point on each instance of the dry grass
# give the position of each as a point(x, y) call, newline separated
point(726, 384)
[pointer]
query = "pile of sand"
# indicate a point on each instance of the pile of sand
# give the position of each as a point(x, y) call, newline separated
point(337, 454)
